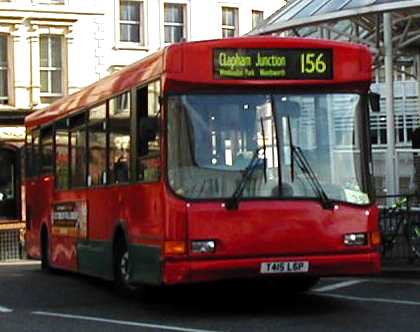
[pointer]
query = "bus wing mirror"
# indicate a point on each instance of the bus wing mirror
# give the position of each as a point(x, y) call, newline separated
point(375, 102)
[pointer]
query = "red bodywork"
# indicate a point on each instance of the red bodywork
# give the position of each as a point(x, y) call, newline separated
point(259, 231)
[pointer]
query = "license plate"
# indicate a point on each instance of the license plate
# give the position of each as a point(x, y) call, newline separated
point(284, 267)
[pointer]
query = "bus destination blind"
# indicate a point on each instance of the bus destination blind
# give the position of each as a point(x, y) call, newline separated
point(272, 64)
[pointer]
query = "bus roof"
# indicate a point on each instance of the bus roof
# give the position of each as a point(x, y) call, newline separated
point(111, 85)
point(183, 62)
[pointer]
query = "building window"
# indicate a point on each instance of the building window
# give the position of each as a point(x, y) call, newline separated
point(131, 22)
point(174, 22)
point(4, 96)
point(378, 133)
point(229, 22)
point(257, 18)
point(51, 67)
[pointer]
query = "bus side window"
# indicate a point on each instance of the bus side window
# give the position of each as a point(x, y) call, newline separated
point(35, 154)
point(46, 150)
point(119, 138)
point(78, 153)
point(28, 154)
point(97, 146)
point(62, 159)
point(148, 117)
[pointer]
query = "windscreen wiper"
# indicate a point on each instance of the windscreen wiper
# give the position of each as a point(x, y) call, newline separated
point(264, 147)
point(306, 168)
point(232, 203)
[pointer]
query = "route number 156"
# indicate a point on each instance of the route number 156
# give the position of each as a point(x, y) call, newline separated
point(312, 63)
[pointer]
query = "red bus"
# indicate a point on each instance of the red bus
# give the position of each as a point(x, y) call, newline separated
point(222, 159)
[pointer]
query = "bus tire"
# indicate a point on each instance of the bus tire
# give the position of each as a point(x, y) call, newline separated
point(45, 259)
point(121, 267)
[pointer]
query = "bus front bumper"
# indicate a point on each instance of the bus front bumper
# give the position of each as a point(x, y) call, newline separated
point(178, 272)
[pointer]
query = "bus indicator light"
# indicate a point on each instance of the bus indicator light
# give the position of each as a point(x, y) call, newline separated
point(175, 248)
point(375, 238)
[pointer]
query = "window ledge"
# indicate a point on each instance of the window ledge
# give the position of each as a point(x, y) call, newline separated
point(49, 3)
point(7, 108)
point(41, 106)
point(131, 46)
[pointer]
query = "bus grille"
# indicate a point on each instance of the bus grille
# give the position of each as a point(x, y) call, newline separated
point(9, 245)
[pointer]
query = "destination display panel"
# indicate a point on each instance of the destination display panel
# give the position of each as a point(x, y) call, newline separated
point(272, 64)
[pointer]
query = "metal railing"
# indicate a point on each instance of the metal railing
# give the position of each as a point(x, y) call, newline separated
point(10, 247)
point(397, 214)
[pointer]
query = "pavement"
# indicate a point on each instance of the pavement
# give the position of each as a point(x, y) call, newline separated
point(20, 262)
point(401, 269)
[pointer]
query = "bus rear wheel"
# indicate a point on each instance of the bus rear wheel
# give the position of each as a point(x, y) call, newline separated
point(122, 268)
point(45, 263)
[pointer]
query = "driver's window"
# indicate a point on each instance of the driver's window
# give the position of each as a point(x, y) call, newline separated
point(231, 138)
point(227, 131)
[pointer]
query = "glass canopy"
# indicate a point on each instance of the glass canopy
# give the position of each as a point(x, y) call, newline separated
point(307, 8)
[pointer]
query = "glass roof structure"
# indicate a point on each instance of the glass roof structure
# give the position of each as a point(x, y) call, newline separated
point(358, 21)
point(301, 12)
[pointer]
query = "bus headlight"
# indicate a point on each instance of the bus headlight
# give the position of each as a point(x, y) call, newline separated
point(203, 247)
point(355, 239)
